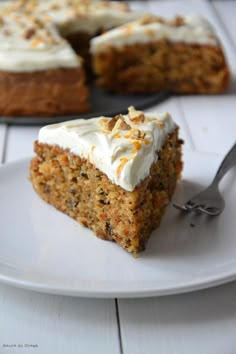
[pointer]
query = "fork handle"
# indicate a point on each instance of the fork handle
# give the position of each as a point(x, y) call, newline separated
point(228, 162)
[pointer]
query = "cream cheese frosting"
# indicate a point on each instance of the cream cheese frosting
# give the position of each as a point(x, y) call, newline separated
point(124, 147)
point(29, 44)
point(86, 15)
point(191, 29)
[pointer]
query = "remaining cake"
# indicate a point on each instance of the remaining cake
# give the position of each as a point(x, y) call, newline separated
point(80, 20)
point(37, 69)
point(76, 18)
point(114, 175)
point(182, 55)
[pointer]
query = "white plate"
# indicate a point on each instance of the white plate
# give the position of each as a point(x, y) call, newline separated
point(45, 250)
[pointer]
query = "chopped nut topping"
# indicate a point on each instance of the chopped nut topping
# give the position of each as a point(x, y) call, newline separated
point(38, 23)
point(107, 123)
point(55, 7)
point(139, 134)
point(116, 123)
point(135, 134)
point(121, 124)
point(151, 19)
point(137, 117)
point(177, 21)
point(112, 122)
point(29, 33)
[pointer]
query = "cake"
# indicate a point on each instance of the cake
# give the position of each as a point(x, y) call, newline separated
point(114, 175)
point(80, 20)
point(46, 57)
point(37, 68)
point(182, 55)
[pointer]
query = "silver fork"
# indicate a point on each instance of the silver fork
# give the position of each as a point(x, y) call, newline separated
point(210, 201)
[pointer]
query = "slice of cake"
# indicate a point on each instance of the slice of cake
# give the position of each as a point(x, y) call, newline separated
point(37, 69)
point(114, 175)
point(182, 55)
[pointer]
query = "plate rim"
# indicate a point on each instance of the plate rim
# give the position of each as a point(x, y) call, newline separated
point(209, 282)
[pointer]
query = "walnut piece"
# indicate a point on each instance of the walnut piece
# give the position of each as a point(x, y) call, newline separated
point(147, 19)
point(138, 134)
point(136, 117)
point(115, 123)
point(121, 124)
point(177, 21)
point(29, 33)
point(1, 22)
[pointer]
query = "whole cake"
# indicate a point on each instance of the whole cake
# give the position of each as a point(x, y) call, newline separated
point(114, 175)
point(46, 57)
point(37, 68)
point(44, 53)
point(182, 55)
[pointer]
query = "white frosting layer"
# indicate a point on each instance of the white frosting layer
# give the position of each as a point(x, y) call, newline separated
point(27, 44)
point(125, 156)
point(194, 30)
point(88, 16)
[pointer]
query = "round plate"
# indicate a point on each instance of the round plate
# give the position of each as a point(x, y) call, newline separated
point(45, 250)
point(102, 104)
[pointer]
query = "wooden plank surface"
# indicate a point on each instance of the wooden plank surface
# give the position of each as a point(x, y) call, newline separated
point(226, 11)
point(201, 322)
point(3, 131)
point(20, 142)
point(51, 324)
point(56, 324)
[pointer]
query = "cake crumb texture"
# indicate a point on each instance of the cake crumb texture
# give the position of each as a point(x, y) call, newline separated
point(50, 92)
point(162, 65)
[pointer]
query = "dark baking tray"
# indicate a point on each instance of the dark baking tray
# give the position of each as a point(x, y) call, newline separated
point(102, 104)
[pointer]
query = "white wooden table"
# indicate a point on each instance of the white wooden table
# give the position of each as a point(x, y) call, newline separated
point(201, 322)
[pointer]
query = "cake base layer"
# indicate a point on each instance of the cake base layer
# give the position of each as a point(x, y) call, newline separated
point(162, 65)
point(43, 93)
point(75, 187)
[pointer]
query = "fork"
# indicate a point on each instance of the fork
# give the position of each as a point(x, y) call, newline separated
point(210, 200)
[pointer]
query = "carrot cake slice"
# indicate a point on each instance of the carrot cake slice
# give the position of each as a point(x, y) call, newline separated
point(37, 68)
point(114, 175)
point(182, 55)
